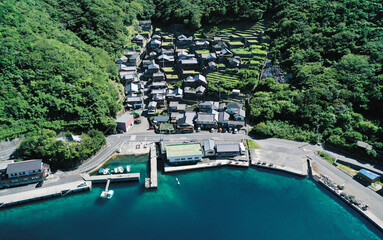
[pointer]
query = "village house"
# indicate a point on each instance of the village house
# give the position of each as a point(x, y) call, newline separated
point(152, 68)
point(21, 173)
point(175, 116)
point(155, 44)
point(200, 45)
point(194, 93)
point(133, 88)
point(224, 54)
point(158, 95)
point(196, 81)
point(207, 120)
point(223, 119)
point(128, 77)
point(125, 122)
point(161, 119)
point(189, 64)
point(184, 55)
point(156, 37)
point(122, 60)
point(186, 123)
point(167, 52)
point(183, 41)
point(176, 107)
point(158, 77)
point(134, 58)
point(230, 149)
point(208, 148)
point(235, 62)
point(208, 106)
point(159, 85)
point(233, 107)
point(174, 94)
point(139, 40)
point(134, 102)
point(165, 60)
point(152, 108)
point(208, 57)
point(145, 25)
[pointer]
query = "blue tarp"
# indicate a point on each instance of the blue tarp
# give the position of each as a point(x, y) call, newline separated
point(368, 174)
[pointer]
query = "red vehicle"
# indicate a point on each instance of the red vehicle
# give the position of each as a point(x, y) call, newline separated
point(151, 127)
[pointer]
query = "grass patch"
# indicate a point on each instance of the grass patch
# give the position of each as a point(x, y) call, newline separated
point(253, 144)
point(326, 157)
point(348, 169)
point(203, 51)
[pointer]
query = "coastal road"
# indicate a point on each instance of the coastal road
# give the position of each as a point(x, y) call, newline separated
point(351, 186)
point(118, 140)
point(5, 154)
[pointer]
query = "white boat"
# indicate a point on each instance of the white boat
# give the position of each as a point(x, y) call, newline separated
point(178, 182)
point(107, 194)
point(105, 171)
point(120, 169)
point(128, 168)
point(115, 170)
point(147, 182)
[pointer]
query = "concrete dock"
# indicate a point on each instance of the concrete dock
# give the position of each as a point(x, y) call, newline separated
point(44, 192)
point(289, 163)
point(207, 164)
point(153, 166)
point(112, 177)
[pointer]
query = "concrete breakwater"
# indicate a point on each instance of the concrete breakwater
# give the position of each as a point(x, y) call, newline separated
point(45, 192)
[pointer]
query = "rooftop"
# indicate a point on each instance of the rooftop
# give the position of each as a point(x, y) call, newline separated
point(24, 166)
point(227, 147)
point(187, 149)
point(368, 174)
point(124, 118)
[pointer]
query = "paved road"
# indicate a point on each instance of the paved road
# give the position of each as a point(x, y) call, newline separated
point(5, 154)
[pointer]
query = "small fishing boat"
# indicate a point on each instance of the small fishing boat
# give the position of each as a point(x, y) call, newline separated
point(115, 170)
point(120, 169)
point(101, 171)
point(147, 182)
point(105, 171)
point(178, 182)
point(107, 194)
point(128, 168)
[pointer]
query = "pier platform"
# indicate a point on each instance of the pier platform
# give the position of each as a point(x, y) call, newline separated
point(153, 166)
point(112, 177)
point(206, 164)
point(56, 190)
point(282, 162)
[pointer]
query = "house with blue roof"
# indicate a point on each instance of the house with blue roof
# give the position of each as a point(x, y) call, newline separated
point(368, 176)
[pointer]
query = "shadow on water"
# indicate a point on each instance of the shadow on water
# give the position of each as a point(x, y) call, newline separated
point(349, 209)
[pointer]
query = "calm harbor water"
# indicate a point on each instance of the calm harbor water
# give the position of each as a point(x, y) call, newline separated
point(224, 203)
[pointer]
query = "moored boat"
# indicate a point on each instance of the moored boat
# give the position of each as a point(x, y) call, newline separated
point(107, 194)
point(101, 171)
point(128, 168)
point(120, 169)
point(105, 171)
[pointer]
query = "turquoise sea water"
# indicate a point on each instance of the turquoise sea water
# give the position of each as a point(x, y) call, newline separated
point(223, 203)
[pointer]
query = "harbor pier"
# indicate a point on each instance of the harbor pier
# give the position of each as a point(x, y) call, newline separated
point(44, 192)
point(113, 178)
point(153, 167)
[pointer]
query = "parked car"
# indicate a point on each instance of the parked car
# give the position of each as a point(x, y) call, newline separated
point(235, 131)
point(212, 130)
point(198, 129)
point(230, 130)
point(224, 130)
point(120, 131)
point(151, 127)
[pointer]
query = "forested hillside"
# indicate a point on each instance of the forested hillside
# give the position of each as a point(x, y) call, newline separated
point(334, 51)
point(56, 65)
point(57, 70)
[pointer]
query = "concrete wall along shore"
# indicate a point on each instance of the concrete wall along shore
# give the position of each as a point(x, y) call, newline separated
point(113, 178)
point(44, 192)
point(153, 166)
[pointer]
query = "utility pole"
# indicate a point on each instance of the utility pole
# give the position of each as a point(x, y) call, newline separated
point(318, 133)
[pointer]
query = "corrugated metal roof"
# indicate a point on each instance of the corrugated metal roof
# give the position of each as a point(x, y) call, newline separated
point(124, 118)
point(208, 144)
point(227, 147)
point(24, 166)
point(368, 174)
